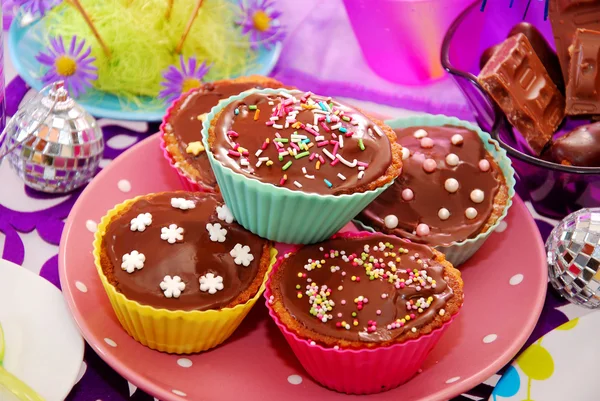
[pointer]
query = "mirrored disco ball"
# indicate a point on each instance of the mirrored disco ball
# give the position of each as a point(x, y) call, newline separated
point(573, 250)
point(62, 144)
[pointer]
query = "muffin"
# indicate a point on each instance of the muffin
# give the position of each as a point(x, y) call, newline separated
point(359, 300)
point(180, 273)
point(452, 189)
point(296, 167)
point(182, 126)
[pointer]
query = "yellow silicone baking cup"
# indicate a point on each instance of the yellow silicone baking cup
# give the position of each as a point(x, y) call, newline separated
point(177, 332)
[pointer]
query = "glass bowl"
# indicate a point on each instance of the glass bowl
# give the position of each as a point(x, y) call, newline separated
point(554, 190)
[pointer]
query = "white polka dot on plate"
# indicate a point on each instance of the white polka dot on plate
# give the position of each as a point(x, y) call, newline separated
point(132, 388)
point(501, 227)
point(104, 162)
point(124, 186)
point(516, 279)
point(490, 338)
point(180, 393)
point(91, 226)
point(184, 363)
point(110, 342)
point(80, 286)
point(295, 379)
point(453, 379)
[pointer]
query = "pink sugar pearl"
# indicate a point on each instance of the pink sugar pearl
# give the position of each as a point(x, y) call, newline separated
point(407, 194)
point(427, 143)
point(429, 165)
point(422, 230)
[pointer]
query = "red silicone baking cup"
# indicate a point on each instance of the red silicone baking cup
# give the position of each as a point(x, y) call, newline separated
point(187, 183)
point(366, 371)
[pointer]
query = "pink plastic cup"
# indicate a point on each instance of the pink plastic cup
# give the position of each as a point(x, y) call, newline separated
point(401, 40)
point(365, 371)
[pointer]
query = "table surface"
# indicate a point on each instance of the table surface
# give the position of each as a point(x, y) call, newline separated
point(31, 224)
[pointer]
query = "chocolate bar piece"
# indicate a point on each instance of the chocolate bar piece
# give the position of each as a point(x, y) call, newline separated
point(566, 17)
point(541, 47)
point(583, 95)
point(487, 55)
point(543, 50)
point(516, 79)
point(580, 147)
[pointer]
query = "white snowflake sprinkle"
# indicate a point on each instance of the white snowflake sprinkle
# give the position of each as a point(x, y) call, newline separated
point(183, 204)
point(211, 283)
point(133, 261)
point(172, 233)
point(140, 222)
point(223, 213)
point(241, 255)
point(217, 234)
point(172, 286)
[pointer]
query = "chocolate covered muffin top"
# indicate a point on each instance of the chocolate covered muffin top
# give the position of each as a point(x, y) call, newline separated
point(182, 251)
point(304, 142)
point(447, 190)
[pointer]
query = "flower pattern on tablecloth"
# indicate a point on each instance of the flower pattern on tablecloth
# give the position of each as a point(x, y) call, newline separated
point(99, 380)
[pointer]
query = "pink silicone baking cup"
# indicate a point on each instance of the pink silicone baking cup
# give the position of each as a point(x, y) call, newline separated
point(366, 371)
point(187, 183)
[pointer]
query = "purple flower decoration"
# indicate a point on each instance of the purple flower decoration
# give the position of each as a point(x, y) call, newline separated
point(73, 65)
point(260, 20)
point(34, 7)
point(179, 81)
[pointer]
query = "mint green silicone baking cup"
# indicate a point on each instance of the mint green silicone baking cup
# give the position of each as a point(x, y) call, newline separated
point(280, 214)
point(459, 252)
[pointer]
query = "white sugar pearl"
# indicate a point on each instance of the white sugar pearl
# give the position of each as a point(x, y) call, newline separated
point(451, 185)
point(422, 230)
point(407, 194)
point(471, 213)
point(429, 165)
point(443, 213)
point(484, 165)
point(457, 139)
point(405, 153)
point(391, 221)
point(420, 133)
point(477, 195)
point(452, 160)
point(427, 143)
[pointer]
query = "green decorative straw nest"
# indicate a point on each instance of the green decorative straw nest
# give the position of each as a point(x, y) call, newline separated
point(143, 42)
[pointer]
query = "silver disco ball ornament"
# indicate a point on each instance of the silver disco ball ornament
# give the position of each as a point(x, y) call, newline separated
point(52, 143)
point(573, 250)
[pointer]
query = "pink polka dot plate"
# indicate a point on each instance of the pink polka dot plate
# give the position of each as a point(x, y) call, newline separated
point(505, 286)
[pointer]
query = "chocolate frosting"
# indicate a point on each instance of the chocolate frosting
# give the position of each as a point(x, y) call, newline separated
point(195, 256)
point(386, 298)
point(580, 147)
point(187, 122)
point(314, 171)
point(428, 189)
